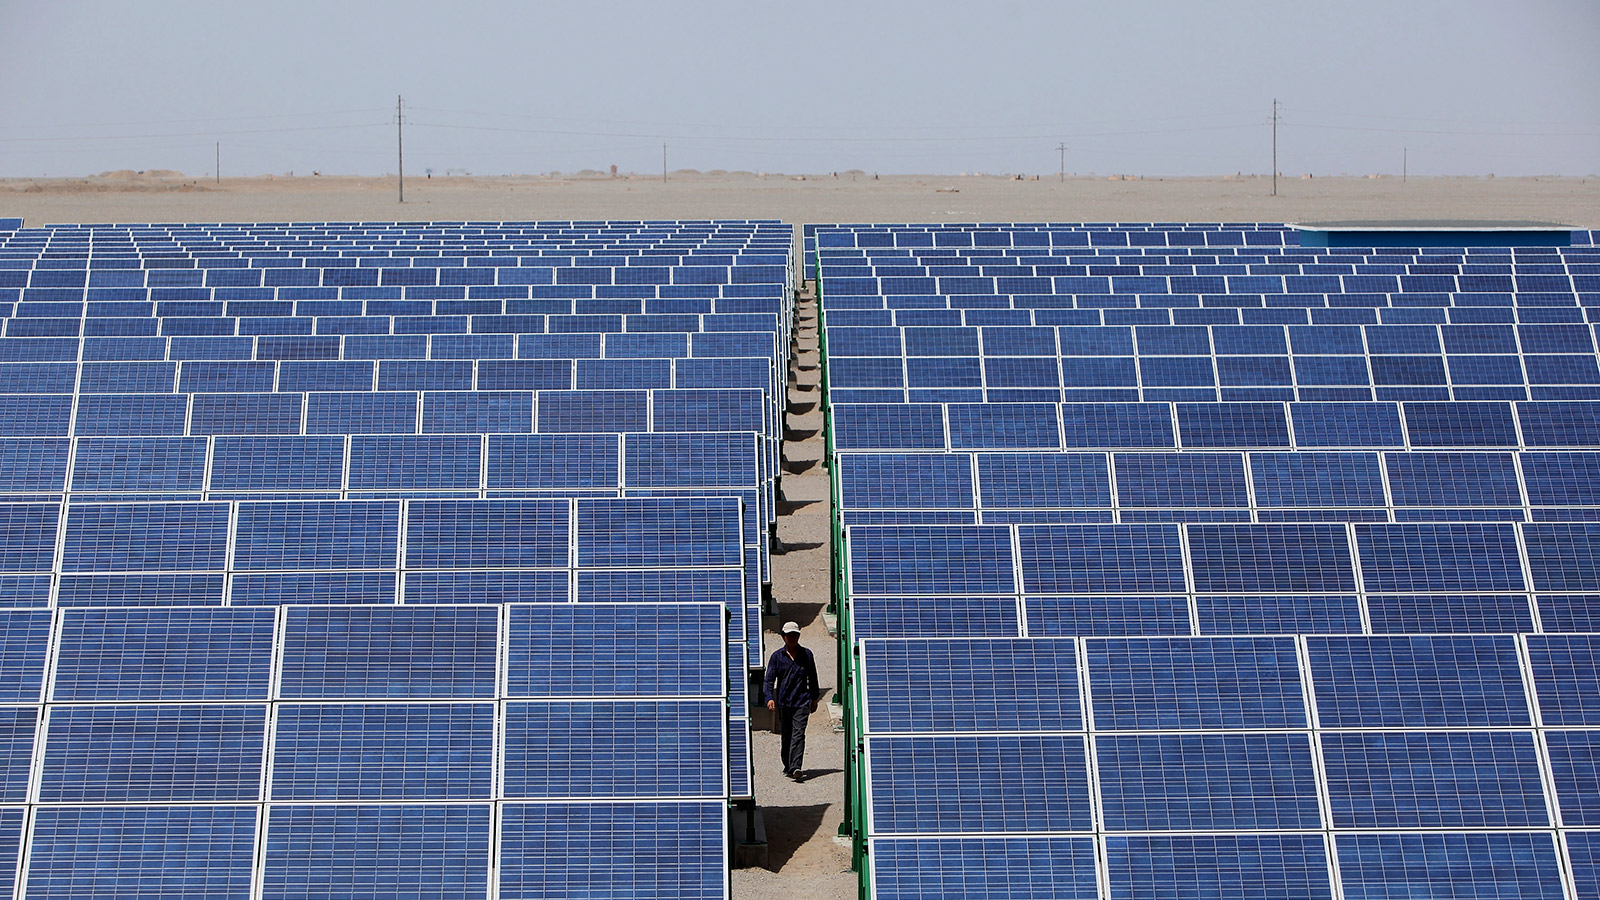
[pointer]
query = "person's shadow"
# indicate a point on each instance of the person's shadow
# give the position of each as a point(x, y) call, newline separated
point(789, 827)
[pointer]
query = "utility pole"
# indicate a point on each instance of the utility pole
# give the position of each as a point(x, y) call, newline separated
point(663, 162)
point(400, 140)
point(219, 162)
point(1063, 149)
point(1274, 146)
point(1405, 163)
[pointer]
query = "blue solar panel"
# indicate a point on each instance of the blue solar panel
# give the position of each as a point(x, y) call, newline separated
point(383, 751)
point(1460, 424)
point(1271, 558)
point(369, 852)
point(406, 652)
point(616, 651)
point(145, 537)
point(1417, 682)
point(614, 749)
point(33, 465)
point(934, 617)
point(552, 462)
point(393, 412)
point(1180, 480)
point(277, 463)
point(1004, 426)
point(317, 535)
point(1434, 780)
point(872, 426)
point(1451, 614)
point(1309, 478)
point(665, 532)
point(475, 534)
point(164, 754)
point(1253, 866)
point(1195, 683)
point(409, 463)
point(1245, 425)
point(1206, 782)
point(905, 481)
point(142, 852)
point(1511, 865)
point(971, 685)
point(1092, 559)
point(1453, 479)
point(28, 536)
point(477, 412)
point(905, 868)
point(487, 587)
point(1079, 615)
point(978, 783)
point(116, 415)
point(246, 414)
point(1117, 425)
point(1556, 425)
point(910, 560)
point(1043, 481)
point(163, 654)
point(593, 411)
point(691, 460)
point(151, 464)
point(1441, 558)
point(1566, 678)
point(1374, 425)
point(671, 849)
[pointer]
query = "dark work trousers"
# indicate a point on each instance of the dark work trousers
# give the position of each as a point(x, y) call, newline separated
point(792, 726)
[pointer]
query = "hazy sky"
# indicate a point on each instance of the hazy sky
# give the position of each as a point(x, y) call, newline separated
point(938, 86)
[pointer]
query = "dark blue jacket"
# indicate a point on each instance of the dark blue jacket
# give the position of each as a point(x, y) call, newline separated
point(792, 682)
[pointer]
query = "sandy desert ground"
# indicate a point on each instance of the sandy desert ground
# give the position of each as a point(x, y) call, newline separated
point(847, 197)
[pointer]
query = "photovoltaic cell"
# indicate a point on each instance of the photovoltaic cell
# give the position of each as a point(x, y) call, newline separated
point(616, 650)
point(317, 535)
point(978, 783)
point(1255, 866)
point(163, 654)
point(1021, 685)
point(934, 617)
point(383, 751)
point(1566, 678)
point(277, 588)
point(372, 851)
point(1500, 865)
point(904, 868)
point(152, 537)
point(1207, 782)
point(1308, 558)
point(1089, 559)
point(1417, 682)
point(913, 560)
point(614, 749)
point(1151, 684)
point(1442, 558)
point(666, 532)
point(400, 652)
point(1086, 616)
point(652, 849)
point(24, 643)
point(183, 753)
point(1460, 779)
point(141, 852)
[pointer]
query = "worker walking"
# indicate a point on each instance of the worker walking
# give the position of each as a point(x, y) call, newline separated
point(792, 693)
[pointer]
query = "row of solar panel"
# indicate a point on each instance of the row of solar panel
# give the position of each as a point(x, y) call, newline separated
point(386, 412)
point(1211, 310)
point(1213, 426)
point(301, 376)
point(324, 348)
point(601, 273)
point(1489, 864)
point(319, 464)
point(1000, 784)
point(1204, 480)
point(1269, 559)
point(1326, 285)
point(1231, 684)
point(1221, 614)
point(326, 330)
point(454, 851)
point(637, 650)
point(513, 750)
point(1391, 373)
point(1305, 261)
point(156, 302)
point(345, 535)
point(1200, 340)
